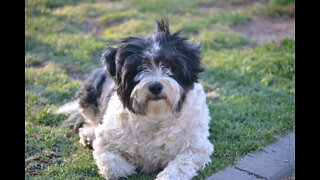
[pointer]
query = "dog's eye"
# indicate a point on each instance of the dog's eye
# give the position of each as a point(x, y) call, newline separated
point(164, 69)
point(167, 70)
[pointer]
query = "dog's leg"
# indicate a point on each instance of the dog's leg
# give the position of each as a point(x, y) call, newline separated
point(111, 163)
point(87, 136)
point(185, 166)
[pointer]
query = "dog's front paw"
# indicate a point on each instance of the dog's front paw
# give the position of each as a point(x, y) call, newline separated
point(165, 175)
point(162, 178)
point(86, 141)
point(86, 137)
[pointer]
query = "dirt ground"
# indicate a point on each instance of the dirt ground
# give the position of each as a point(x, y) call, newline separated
point(267, 29)
point(262, 29)
point(210, 9)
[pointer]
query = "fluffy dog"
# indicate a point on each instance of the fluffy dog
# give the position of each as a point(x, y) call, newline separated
point(145, 110)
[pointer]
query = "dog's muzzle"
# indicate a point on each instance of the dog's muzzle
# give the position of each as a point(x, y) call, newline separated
point(155, 88)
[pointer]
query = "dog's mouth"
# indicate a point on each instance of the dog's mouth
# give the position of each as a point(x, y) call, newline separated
point(156, 98)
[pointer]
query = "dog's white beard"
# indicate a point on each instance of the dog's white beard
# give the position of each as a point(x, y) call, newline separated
point(157, 108)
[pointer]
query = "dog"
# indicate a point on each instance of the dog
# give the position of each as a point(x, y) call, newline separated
point(145, 110)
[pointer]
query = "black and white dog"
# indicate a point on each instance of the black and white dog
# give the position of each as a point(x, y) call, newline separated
point(145, 110)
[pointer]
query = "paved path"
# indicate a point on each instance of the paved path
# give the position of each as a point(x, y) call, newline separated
point(274, 162)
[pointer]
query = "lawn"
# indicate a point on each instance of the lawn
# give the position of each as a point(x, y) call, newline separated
point(64, 40)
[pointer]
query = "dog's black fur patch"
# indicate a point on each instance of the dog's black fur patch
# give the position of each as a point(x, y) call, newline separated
point(91, 90)
point(95, 94)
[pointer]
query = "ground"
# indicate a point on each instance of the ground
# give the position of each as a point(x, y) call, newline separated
point(290, 177)
point(248, 50)
point(268, 29)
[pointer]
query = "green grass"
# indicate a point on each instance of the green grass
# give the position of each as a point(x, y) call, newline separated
point(256, 103)
point(276, 8)
point(256, 84)
point(219, 39)
point(164, 6)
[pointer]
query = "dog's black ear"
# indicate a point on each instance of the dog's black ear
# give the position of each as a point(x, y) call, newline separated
point(108, 58)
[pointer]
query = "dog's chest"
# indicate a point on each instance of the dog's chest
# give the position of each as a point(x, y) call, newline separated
point(151, 147)
point(148, 143)
point(154, 139)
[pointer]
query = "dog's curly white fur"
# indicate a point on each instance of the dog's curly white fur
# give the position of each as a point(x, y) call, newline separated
point(145, 111)
point(178, 143)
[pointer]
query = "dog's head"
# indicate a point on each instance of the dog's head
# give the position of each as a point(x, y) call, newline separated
point(153, 73)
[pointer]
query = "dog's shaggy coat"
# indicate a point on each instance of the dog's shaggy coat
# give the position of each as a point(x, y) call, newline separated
point(145, 111)
point(179, 143)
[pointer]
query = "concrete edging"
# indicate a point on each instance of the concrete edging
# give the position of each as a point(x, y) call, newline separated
point(274, 162)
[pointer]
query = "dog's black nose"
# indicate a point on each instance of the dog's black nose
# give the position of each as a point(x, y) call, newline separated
point(155, 88)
